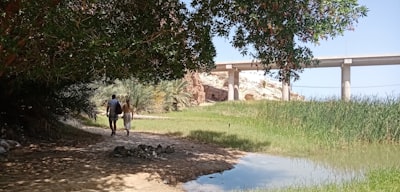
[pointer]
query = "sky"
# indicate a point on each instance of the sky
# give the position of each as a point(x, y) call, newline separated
point(377, 33)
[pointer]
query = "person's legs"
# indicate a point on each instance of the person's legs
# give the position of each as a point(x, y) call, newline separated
point(124, 119)
point(128, 127)
point(111, 125)
point(115, 126)
point(127, 123)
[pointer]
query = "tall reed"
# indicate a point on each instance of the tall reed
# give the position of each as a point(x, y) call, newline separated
point(332, 121)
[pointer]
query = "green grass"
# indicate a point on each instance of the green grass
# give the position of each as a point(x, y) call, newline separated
point(362, 134)
point(385, 180)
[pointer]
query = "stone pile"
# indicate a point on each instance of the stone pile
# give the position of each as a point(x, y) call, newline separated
point(7, 145)
point(142, 151)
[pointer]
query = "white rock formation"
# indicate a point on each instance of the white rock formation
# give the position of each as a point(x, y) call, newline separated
point(252, 85)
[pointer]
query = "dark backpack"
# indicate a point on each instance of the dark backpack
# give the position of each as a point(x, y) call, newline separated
point(118, 108)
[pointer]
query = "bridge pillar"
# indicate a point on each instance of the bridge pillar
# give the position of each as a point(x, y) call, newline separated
point(233, 84)
point(346, 79)
point(285, 91)
point(236, 85)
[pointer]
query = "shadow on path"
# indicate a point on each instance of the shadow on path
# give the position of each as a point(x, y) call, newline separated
point(91, 167)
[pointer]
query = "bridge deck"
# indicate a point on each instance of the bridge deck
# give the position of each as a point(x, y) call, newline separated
point(345, 63)
point(370, 60)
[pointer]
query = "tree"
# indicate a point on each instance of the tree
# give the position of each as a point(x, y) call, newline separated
point(84, 40)
point(140, 95)
point(49, 46)
point(176, 95)
point(50, 49)
point(273, 27)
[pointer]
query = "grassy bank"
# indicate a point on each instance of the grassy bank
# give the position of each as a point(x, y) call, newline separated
point(385, 180)
point(362, 134)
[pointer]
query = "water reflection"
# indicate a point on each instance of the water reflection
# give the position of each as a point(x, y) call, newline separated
point(266, 171)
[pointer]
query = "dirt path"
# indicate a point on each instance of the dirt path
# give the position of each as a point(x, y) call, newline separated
point(83, 167)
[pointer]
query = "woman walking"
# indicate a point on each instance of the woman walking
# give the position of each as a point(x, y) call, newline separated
point(128, 115)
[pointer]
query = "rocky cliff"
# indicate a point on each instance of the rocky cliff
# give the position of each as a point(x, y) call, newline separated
point(252, 86)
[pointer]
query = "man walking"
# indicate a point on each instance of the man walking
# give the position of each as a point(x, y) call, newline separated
point(112, 114)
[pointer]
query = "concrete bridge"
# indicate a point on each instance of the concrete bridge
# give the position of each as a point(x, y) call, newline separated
point(233, 69)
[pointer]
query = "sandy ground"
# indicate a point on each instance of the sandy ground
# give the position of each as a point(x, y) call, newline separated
point(89, 166)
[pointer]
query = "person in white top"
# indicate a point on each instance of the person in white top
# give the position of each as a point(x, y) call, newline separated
point(128, 115)
point(111, 114)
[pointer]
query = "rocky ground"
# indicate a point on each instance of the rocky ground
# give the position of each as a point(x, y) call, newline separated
point(92, 165)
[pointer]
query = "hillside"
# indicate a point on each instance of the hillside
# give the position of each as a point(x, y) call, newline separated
point(252, 86)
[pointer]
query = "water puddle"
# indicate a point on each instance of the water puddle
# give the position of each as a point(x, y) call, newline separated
point(266, 171)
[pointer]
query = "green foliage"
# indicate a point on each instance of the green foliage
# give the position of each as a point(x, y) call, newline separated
point(165, 96)
point(333, 122)
point(69, 41)
point(140, 95)
point(48, 47)
point(295, 128)
point(279, 128)
point(385, 179)
point(271, 27)
point(176, 95)
point(53, 41)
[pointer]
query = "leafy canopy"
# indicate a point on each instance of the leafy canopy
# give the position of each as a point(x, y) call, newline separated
point(270, 30)
point(51, 49)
